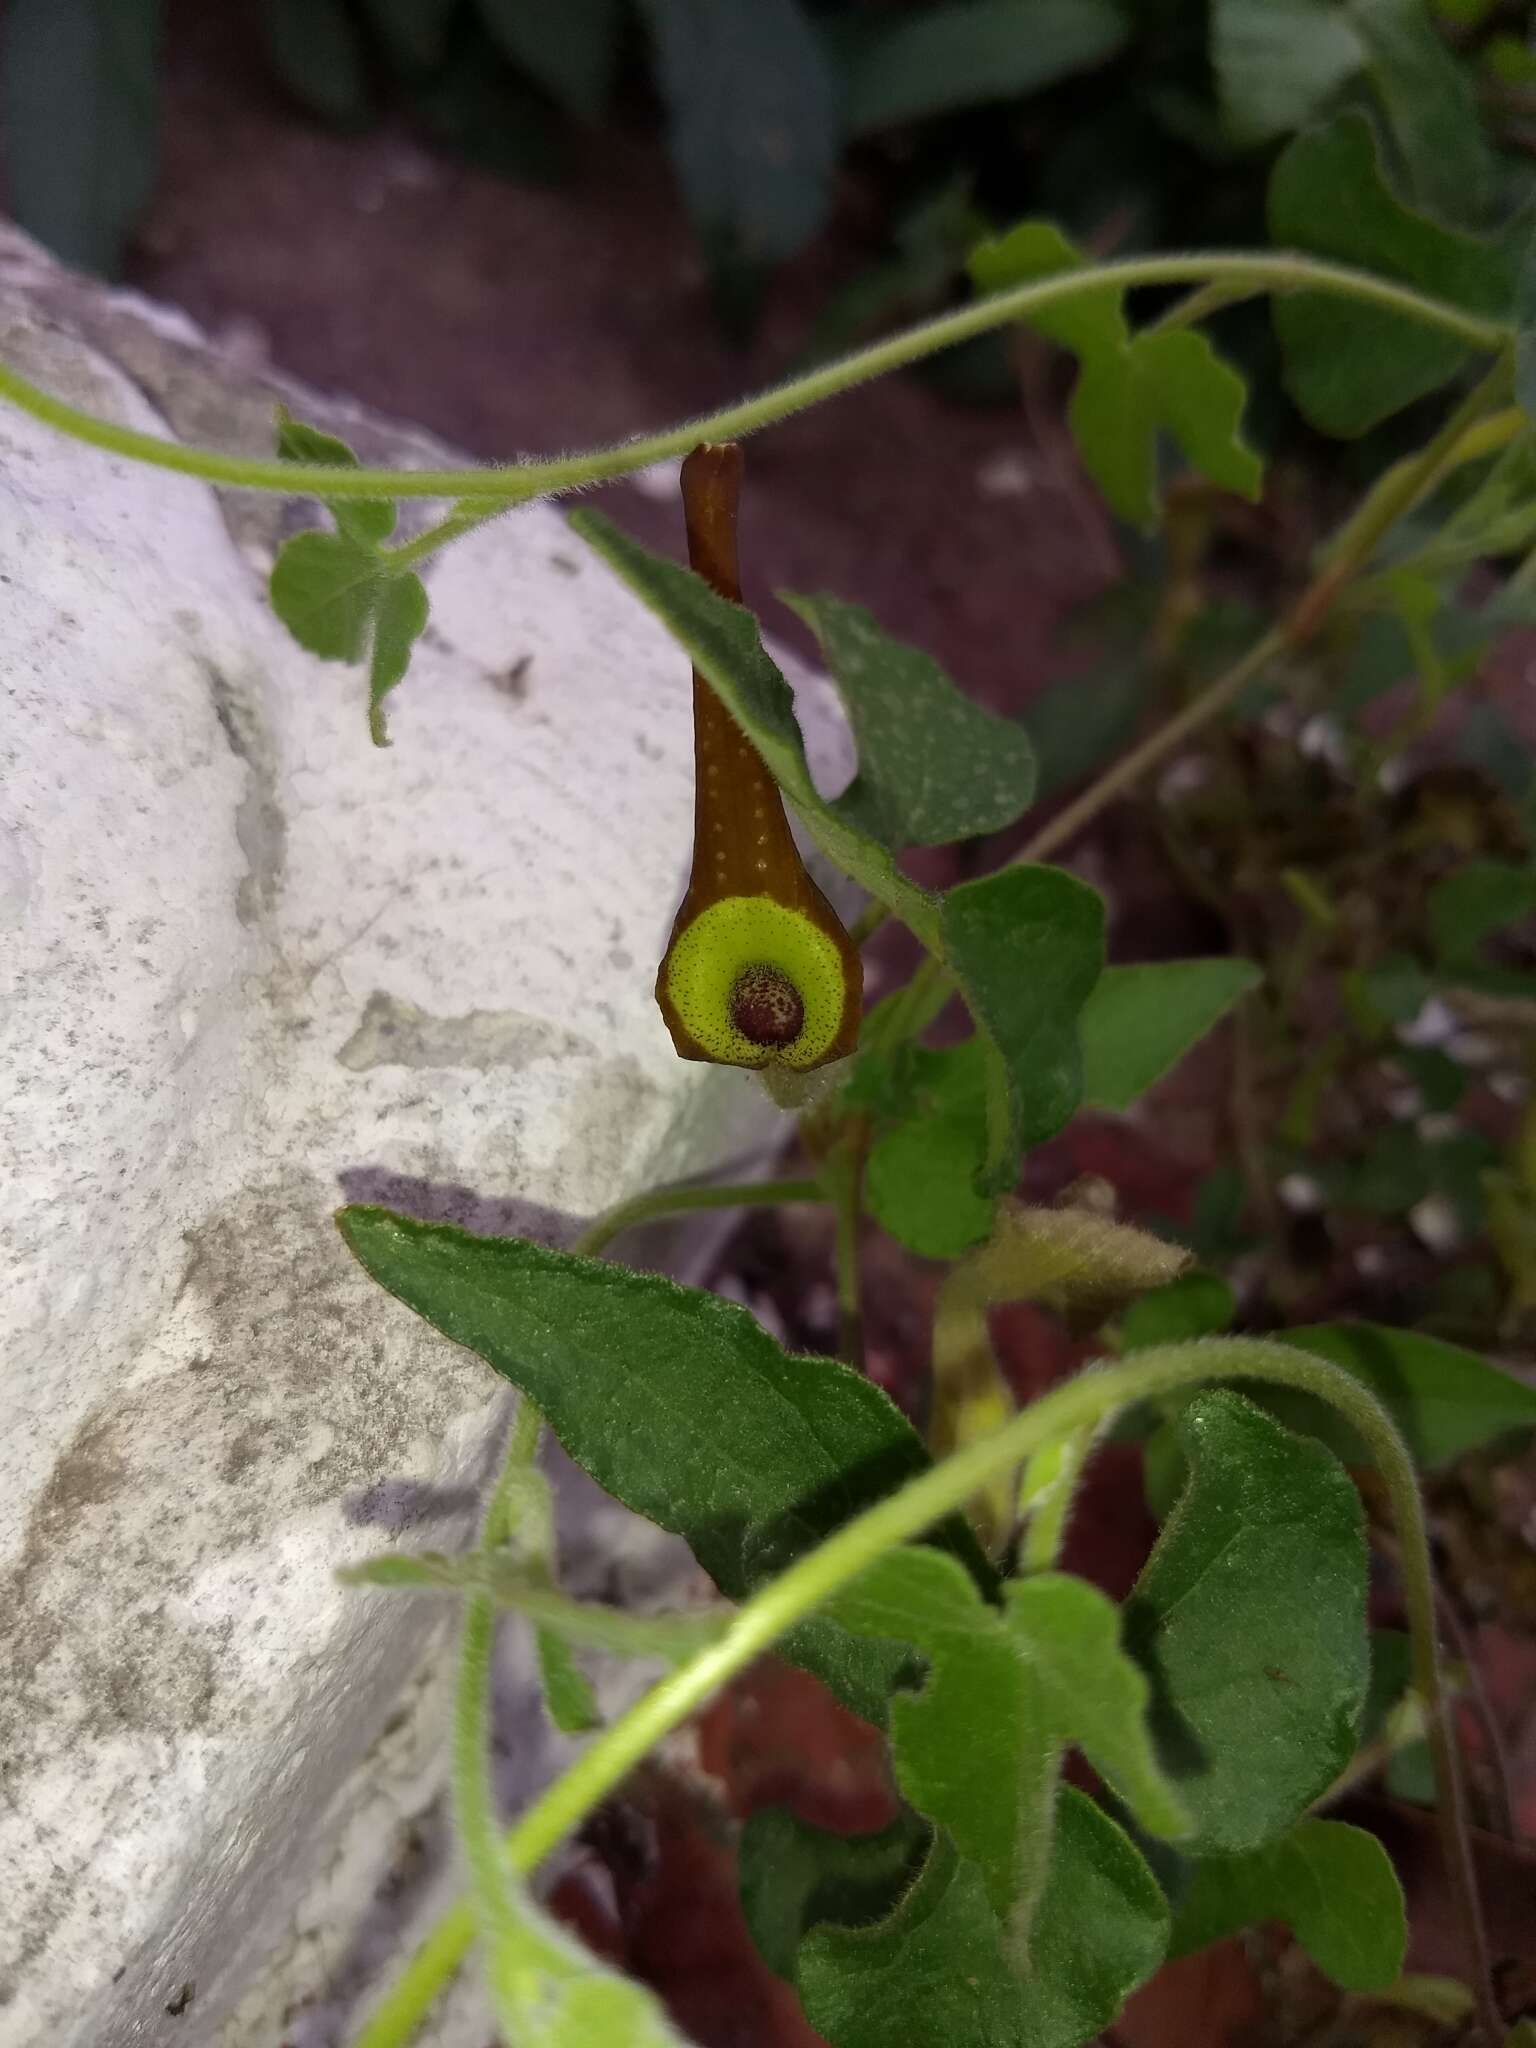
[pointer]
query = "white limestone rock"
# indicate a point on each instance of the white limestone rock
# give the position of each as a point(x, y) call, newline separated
point(249, 967)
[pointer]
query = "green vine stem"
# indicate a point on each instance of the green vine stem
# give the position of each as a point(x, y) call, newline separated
point(1085, 1402)
point(474, 1807)
point(461, 520)
point(522, 1450)
point(1202, 302)
point(586, 1624)
point(679, 1197)
point(473, 1798)
point(1483, 437)
point(1405, 485)
point(515, 483)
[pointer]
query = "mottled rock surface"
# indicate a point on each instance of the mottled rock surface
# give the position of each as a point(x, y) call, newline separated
point(251, 966)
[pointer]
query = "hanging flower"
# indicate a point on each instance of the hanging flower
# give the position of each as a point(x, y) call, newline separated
point(759, 971)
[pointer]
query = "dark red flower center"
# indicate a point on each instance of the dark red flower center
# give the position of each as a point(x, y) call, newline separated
point(766, 1007)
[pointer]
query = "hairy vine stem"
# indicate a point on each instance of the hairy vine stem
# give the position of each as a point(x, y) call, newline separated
point(515, 483)
point(680, 1196)
point(1084, 1402)
point(474, 1808)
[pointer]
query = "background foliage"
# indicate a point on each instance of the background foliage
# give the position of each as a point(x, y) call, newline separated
point(1139, 121)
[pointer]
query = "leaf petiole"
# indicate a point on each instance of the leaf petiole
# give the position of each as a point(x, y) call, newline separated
point(681, 1197)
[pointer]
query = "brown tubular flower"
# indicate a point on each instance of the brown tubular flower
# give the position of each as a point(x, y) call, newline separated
point(758, 971)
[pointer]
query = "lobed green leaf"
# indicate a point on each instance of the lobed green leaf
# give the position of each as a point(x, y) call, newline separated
point(368, 521)
point(1090, 1693)
point(1198, 397)
point(978, 1749)
point(340, 600)
point(325, 588)
point(972, 1749)
point(337, 593)
point(919, 1180)
point(933, 767)
point(1250, 1621)
point(934, 1970)
point(791, 1876)
point(1027, 946)
point(399, 620)
point(1091, 324)
point(1130, 387)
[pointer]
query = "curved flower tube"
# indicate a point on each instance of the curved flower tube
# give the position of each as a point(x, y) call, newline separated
point(759, 971)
